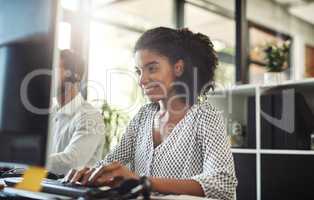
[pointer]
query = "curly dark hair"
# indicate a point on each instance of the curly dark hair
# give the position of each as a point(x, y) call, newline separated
point(195, 49)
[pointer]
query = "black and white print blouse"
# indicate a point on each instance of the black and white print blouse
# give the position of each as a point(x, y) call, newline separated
point(196, 149)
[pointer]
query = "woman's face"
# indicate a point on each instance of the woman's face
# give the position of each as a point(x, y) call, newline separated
point(156, 74)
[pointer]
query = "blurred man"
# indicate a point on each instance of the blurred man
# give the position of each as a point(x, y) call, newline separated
point(77, 127)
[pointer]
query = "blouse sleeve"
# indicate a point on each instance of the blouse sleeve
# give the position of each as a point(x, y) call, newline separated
point(218, 178)
point(124, 151)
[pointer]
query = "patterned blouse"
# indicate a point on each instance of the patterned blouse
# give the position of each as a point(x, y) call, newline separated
point(197, 149)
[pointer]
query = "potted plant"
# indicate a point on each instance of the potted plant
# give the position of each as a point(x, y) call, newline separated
point(115, 121)
point(276, 58)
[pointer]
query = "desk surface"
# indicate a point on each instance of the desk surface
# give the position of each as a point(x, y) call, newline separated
point(46, 196)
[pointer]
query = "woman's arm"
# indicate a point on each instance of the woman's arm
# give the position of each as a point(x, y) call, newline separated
point(105, 175)
point(218, 178)
point(176, 186)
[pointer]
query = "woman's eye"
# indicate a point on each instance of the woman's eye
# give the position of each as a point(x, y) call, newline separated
point(152, 68)
point(138, 72)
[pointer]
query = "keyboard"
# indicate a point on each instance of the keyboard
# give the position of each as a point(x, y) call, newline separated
point(59, 188)
point(6, 172)
point(7, 196)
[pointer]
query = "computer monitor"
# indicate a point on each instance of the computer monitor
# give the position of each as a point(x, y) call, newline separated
point(27, 52)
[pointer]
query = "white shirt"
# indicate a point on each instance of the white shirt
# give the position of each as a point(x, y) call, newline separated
point(197, 149)
point(78, 136)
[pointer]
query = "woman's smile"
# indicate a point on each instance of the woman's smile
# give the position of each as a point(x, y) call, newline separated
point(151, 89)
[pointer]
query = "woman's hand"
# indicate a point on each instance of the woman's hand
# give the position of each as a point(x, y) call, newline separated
point(109, 175)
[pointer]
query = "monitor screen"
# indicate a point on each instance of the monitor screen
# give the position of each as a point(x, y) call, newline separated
point(27, 38)
point(22, 20)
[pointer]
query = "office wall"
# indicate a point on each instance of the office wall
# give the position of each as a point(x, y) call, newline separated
point(274, 16)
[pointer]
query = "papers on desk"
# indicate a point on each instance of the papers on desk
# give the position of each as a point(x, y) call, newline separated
point(179, 197)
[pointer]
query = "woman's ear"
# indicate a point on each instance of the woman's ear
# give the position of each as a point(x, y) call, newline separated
point(179, 68)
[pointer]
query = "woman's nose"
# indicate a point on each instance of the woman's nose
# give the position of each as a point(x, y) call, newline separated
point(143, 79)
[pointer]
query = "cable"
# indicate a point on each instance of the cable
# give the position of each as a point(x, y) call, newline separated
point(128, 189)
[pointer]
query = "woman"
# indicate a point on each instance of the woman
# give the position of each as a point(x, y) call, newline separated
point(178, 143)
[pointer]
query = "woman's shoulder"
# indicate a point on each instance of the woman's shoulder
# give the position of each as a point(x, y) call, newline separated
point(206, 108)
point(210, 118)
point(149, 107)
point(145, 111)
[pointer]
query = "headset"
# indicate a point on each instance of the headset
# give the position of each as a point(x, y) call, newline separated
point(71, 76)
point(72, 63)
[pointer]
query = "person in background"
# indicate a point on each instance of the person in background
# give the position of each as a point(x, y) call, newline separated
point(177, 141)
point(77, 127)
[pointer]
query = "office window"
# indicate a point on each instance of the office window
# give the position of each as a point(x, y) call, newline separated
point(228, 5)
point(135, 14)
point(115, 27)
point(64, 37)
point(221, 30)
point(72, 5)
point(111, 67)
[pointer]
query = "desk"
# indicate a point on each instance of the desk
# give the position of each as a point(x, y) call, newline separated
point(46, 196)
